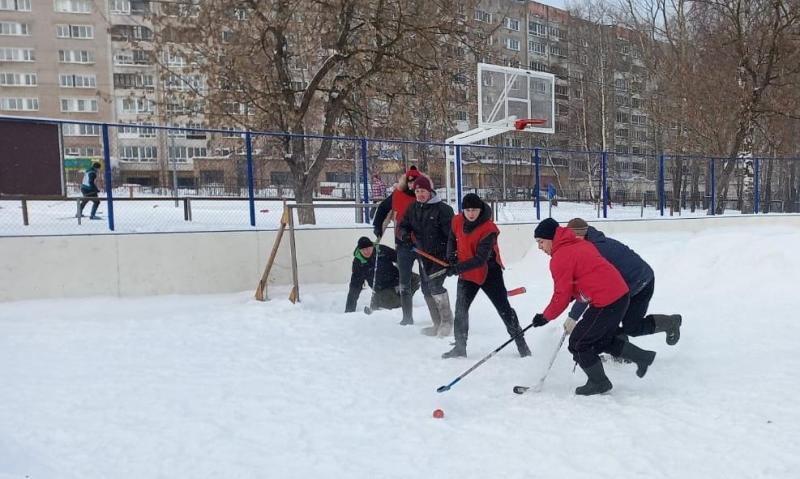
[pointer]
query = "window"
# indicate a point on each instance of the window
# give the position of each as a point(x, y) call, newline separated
point(512, 44)
point(19, 104)
point(622, 117)
point(621, 132)
point(231, 133)
point(175, 59)
point(139, 153)
point(77, 81)
point(18, 79)
point(622, 100)
point(512, 24)
point(76, 129)
point(460, 115)
point(636, 102)
point(131, 57)
point(557, 51)
point(119, 6)
point(537, 47)
point(73, 6)
point(537, 29)
point(83, 151)
point(562, 92)
point(14, 28)
point(85, 32)
point(131, 33)
point(622, 149)
point(79, 105)
point(133, 80)
point(136, 105)
point(562, 109)
point(482, 16)
point(621, 83)
point(16, 54)
point(185, 83)
point(76, 56)
point(538, 66)
point(16, 5)
point(137, 132)
point(639, 120)
point(339, 176)
point(554, 31)
point(280, 178)
point(513, 142)
point(640, 135)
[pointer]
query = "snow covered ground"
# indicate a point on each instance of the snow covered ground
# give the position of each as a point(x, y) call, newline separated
point(227, 387)
point(161, 215)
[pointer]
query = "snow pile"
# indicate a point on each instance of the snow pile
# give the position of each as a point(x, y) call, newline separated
point(223, 386)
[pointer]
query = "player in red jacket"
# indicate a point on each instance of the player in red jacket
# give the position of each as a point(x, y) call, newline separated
point(579, 272)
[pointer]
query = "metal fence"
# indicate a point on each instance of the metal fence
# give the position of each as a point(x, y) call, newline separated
point(178, 178)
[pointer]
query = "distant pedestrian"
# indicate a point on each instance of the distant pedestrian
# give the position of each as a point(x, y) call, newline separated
point(89, 189)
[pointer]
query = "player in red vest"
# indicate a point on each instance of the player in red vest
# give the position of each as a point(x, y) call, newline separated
point(579, 271)
point(473, 244)
point(398, 202)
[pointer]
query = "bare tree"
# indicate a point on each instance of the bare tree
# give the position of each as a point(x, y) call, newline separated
point(315, 66)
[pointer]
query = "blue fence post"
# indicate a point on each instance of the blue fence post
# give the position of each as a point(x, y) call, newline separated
point(364, 180)
point(661, 184)
point(107, 177)
point(536, 186)
point(757, 189)
point(604, 180)
point(713, 203)
point(248, 138)
point(459, 183)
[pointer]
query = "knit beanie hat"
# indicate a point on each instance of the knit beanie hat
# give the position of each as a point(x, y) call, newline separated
point(546, 229)
point(579, 226)
point(413, 173)
point(423, 182)
point(364, 242)
point(471, 200)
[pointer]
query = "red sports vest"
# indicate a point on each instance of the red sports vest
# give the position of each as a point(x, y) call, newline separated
point(400, 203)
point(468, 246)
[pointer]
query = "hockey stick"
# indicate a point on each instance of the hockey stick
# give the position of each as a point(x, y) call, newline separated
point(516, 291)
point(430, 257)
point(447, 387)
point(538, 386)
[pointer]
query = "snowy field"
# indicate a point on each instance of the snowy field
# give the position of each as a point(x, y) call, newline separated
point(227, 387)
point(161, 215)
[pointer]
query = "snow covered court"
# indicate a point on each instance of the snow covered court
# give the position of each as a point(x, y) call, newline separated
point(222, 386)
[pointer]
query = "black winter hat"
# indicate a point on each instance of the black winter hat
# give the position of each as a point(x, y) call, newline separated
point(471, 200)
point(546, 229)
point(364, 242)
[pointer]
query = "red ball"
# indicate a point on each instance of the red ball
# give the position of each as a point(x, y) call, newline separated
point(438, 413)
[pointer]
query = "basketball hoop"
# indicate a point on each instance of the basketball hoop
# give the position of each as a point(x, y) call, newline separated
point(523, 123)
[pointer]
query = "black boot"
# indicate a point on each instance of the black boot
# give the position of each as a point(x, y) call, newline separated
point(458, 351)
point(670, 324)
point(641, 357)
point(597, 382)
point(406, 302)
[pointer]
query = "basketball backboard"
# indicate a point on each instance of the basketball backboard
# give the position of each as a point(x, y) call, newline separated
point(507, 94)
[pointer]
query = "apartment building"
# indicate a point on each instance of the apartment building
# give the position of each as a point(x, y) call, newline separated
point(54, 62)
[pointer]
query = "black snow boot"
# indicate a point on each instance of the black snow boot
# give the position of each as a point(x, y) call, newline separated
point(406, 302)
point(458, 351)
point(670, 324)
point(642, 357)
point(597, 382)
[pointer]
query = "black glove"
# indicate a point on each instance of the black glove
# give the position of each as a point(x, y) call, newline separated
point(378, 231)
point(539, 320)
point(452, 270)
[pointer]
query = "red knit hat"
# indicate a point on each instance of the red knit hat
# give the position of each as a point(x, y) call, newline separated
point(413, 173)
point(424, 183)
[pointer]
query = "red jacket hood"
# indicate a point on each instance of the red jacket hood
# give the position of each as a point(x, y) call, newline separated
point(579, 271)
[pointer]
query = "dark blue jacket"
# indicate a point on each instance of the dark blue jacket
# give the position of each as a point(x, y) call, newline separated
point(636, 272)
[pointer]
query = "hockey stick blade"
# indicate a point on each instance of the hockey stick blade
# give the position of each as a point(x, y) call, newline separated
point(520, 389)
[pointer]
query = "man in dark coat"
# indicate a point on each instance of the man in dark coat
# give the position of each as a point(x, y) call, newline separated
point(384, 281)
point(396, 204)
point(89, 189)
point(640, 279)
point(427, 224)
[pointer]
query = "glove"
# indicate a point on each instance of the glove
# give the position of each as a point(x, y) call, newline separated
point(377, 239)
point(569, 325)
point(539, 320)
point(452, 270)
point(377, 230)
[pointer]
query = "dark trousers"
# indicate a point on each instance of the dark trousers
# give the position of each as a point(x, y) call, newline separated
point(596, 333)
point(405, 264)
point(495, 288)
point(634, 322)
point(431, 287)
point(95, 203)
